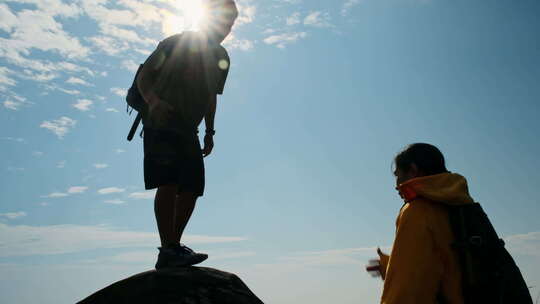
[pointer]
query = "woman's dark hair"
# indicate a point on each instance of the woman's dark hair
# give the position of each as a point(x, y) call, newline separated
point(426, 157)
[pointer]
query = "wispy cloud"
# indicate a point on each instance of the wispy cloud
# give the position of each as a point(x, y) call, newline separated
point(119, 91)
point(348, 5)
point(143, 195)
point(114, 202)
point(293, 19)
point(118, 151)
point(282, 40)
point(15, 139)
point(61, 164)
point(37, 29)
point(101, 166)
point(318, 19)
point(111, 190)
point(524, 244)
point(79, 81)
point(13, 215)
point(130, 65)
point(25, 240)
point(77, 189)
point(60, 127)
point(37, 153)
point(83, 105)
point(55, 195)
point(15, 102)
point(5, 80)
point(11, 105)
point(234, 43)
point(68, 192)
point(246, 14)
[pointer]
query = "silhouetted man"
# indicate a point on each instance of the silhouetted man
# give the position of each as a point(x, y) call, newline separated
point(179, 82)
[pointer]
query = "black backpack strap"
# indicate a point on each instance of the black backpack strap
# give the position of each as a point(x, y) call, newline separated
point(134, 126)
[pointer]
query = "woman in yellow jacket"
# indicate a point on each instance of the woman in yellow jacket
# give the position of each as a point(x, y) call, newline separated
point(423, 268)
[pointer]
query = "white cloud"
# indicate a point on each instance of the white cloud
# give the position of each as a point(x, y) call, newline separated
point(110, 190)
point(37, 29)
point(12, 105)
point(39, 76)
point(293, 19)
point(37, 153)
point(348, 5)
point(53, 7)
point(143, 195)
point(111, 110)
point(77, 189)
point(15, 139)
point(60, 126)
point(130, 65)
point(246, 14)
point(109, 45)
point(101, 166)
point(83, 105)
point(119, 91)
point(283, 39)
point(13, 215)
point(15, 102)
point(61, 164)
point(524, 244)
point(318, 19)
point(4, 72)
point(25, 240)
point(15, 169)
point(231, 42)
point(55, 195)
point(118, 151)
point(76, 80)
point(114, 202)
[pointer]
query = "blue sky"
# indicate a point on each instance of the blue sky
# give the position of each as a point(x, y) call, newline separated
point(321, 95)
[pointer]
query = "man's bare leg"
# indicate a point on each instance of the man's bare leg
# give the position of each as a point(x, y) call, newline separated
point(184, 205)
point(164, 208)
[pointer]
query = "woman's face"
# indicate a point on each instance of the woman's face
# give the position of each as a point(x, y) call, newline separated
point(403, 176)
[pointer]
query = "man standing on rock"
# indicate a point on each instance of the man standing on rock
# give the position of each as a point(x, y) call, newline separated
point(179, 82)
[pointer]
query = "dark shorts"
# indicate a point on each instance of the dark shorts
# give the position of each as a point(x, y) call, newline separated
point(173, 158)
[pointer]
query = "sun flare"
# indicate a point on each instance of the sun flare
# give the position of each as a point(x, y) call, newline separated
point(186, 15)
point(194, 13)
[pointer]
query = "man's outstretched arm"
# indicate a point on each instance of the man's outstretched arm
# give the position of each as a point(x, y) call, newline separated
point(209, 122)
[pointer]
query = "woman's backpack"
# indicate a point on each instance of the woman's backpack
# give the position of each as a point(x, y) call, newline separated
point(490, 275)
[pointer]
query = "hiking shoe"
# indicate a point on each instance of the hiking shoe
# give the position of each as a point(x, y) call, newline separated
point(178, 256)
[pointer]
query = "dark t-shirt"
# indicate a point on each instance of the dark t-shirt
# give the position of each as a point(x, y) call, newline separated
point(186, 70)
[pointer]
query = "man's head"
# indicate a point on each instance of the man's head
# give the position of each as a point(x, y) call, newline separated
point(221, 17)
point(418, 160)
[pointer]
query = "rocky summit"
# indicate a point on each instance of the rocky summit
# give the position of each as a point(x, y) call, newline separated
point(186, 285)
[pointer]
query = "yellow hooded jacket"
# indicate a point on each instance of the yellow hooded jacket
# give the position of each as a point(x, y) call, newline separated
point(422, 263)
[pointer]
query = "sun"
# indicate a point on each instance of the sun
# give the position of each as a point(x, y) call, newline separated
point(184, 15)
point(194, 13)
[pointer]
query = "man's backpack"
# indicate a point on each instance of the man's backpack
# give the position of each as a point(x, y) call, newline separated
point(136, 102)
point(134, 99)
point(490, 275)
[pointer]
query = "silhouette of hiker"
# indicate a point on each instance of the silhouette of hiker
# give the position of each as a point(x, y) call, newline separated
point(179, 82)
point(422, 265)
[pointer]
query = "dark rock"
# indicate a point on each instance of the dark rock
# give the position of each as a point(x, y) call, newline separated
point(187, 285)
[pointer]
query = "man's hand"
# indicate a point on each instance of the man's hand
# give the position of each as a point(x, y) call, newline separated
point(208, 144)
point(160, 112)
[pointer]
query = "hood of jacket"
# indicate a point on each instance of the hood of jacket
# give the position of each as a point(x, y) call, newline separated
point(447, 188)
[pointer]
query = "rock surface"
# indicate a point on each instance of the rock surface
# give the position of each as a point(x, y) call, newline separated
point(187, 285)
